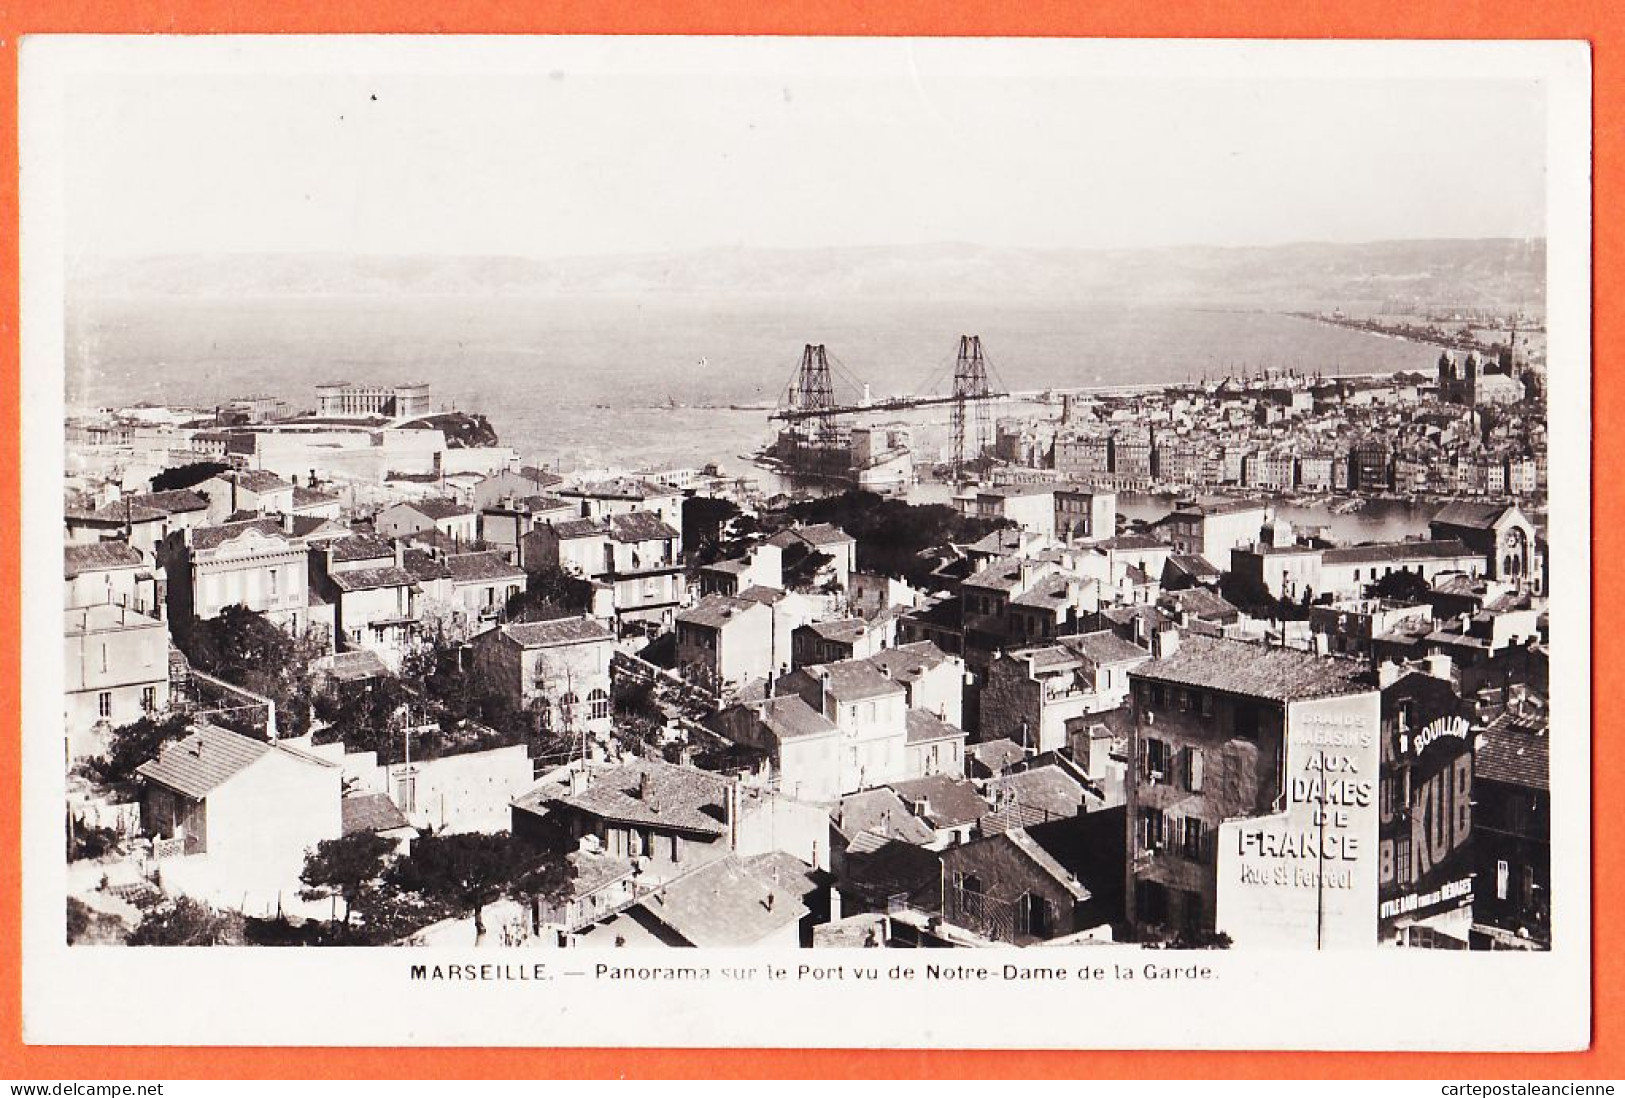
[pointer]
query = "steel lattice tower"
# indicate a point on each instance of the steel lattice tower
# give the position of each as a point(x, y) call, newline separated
point(970, 387)
point(814, 391)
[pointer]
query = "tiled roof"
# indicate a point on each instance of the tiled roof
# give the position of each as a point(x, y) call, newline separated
point(1132, 541)
point(842, 631)
point(1398, 550)
point(1514, 751)
point(1001, 575)
point(1047, 788)
point(174, 502)
point(479, 567)
point(907, 661)
point(437, 509)
point(1199, 602)
point(99, 556)
point(425, 567)
point(1253, 670)
point(1103, 647)
point(547, 634)
point(1479, 516)
point(722, 904)
point(784, 870)
point(257, 480)
point(882, 813)
point(541, 476)
point(577, 528)
point(682, 798)
point(953, 802)
point(361, 547)
point(212, 537)
point(823, 533)
point(854, 680)
point(997, 755)
point(355, 666)
point(206, 759)
point(926, 727)
point(792, 718)
point(372, 812)
point(715, 611)
point(640, 526)
point(1047, 862)
point(1194, 564)
point(371, 579)
point(1048, 593)
point(766, 596)
point(311, 497)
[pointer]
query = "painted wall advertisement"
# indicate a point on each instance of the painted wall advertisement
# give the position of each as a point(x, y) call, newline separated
point(1305, 877)
point(1426, 822)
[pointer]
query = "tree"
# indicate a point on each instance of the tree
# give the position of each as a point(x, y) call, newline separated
point(540, 876)
point(186, 922)
point(1402, 586)
point(550, 592)
point(344, 867)
point(705, 527)
point(130, 745)
point(186, 476)
point(245, 648)
point(469, 871)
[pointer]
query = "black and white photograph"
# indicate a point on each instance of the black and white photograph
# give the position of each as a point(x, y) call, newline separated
point(560, 507)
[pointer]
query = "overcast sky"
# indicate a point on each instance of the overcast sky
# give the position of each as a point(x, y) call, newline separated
point(570, 148)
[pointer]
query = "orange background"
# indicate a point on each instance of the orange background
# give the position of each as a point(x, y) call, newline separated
point(1600, 23)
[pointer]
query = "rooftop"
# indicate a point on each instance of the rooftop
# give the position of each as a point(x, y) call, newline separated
point(1478, 516)
point(1514, 750)
point(372, 812)
point(723, 904)
point(1254, 670)
point(792, 718)
point(482, 567)
point(372, 579)
point(951, 802)
point(682, 798)
point(438, 509)
point(558, 631)
point(715, 611)
point(99, 556)
point(640, 526)
point(1398, 550)
point(212, 537)
point(201, 762)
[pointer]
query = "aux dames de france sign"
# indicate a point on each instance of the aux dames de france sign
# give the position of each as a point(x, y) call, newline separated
point(1305, 875)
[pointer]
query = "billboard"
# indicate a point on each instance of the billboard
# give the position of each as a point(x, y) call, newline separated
point(1305, 876)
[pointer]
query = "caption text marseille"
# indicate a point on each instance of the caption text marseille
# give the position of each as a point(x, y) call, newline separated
point(810, 973)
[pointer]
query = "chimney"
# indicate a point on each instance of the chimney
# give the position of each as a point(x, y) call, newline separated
point(287, 522)
point(643, 786)
point(834, 904)
point(1388, 673)
point(1164, 643)
point(1439, 666)
point(400, 553)
point(578, 780)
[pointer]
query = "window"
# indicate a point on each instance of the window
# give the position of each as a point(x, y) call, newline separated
point(272, 574)
point(1503, 875)
point(1193, 769)
point(1153, 829)
point(1207, 704)
point(597, 705)
point(1191, 839)
point(149, 698)
point(1183, 699)
point(1158, 759)
point(104, 703)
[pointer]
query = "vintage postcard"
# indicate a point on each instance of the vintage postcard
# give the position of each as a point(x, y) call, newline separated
point(579, 541)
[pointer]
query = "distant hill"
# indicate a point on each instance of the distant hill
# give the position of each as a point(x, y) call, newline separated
point(1478, 273)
